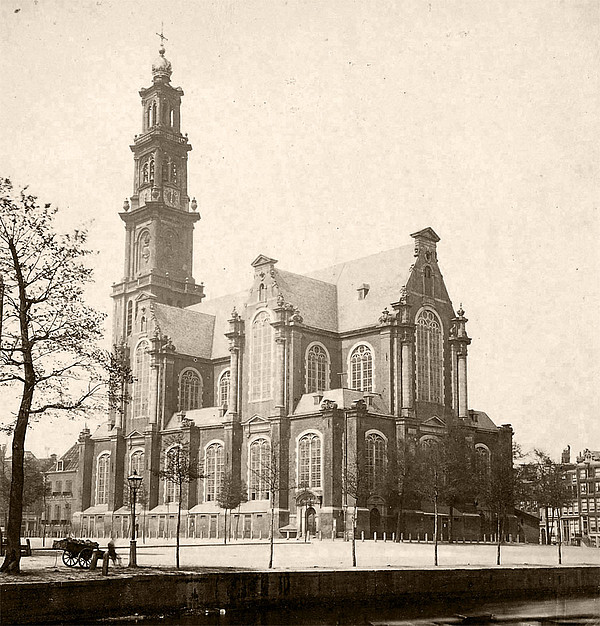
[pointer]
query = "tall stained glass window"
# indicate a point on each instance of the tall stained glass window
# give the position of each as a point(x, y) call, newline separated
point(361, 368)
point(261, 351)
point(317, 366)
point(430, 364)
point(213, 470)
point(142, 380)
point(102, 476)
point(375, 457)
point(259, 461)
point(309, 461)
point(190, 391)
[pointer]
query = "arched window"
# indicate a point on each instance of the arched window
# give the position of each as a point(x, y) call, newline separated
point(224, 387)
point(260, 464)
point(145, 173)
point(165, 112)
point(262, 292)
point(173, 172)
point(262, 340)
point(154, 118)
point(213, 470)
point(309, 461)
point(171, 118)
point(171, 459)
point(129, 322)
point(430, 365)
point(427, 281)
point(361, 369)
point(143, 324)
point(102, 477)
point(483, 459)
point(317, 369)
point(142, 257)
point(136, 463)
point(141, 385)
point(190, 391)
point(376, 458)
point(152, 170)
point(165, 170)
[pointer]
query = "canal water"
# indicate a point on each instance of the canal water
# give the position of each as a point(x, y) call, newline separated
point(527, 612)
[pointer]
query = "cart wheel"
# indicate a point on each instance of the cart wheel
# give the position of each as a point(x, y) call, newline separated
point(85, 558)
point(70, 559)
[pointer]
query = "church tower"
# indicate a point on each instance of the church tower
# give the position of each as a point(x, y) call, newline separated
point(160, 219)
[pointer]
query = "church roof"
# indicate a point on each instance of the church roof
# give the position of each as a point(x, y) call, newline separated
point(327, 299)
point(342, 397)
point(190, 331)
point(384, 274)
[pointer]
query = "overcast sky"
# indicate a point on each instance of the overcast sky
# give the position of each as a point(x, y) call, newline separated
point(328, 130)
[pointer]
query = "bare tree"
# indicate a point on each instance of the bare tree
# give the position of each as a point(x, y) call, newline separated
point(354, 488)
point(431, 455)
point(232, 493)
point(267, 480)
point(178, 470)
point(47, 335)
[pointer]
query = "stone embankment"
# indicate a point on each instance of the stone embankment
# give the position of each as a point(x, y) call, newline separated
point(79, 600)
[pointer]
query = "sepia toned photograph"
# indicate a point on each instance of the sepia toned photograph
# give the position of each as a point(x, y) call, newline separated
point(299, 307)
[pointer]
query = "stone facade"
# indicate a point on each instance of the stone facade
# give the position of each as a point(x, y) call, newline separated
point(347, 365)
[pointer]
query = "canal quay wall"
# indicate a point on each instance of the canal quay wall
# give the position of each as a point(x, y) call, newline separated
point(154, 593)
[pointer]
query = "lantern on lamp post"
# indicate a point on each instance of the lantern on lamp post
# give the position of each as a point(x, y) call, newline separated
point(135, 483)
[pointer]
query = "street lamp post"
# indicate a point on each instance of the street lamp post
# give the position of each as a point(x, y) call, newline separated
point(135, 482)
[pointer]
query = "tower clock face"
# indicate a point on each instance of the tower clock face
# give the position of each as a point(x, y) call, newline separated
point(171, 197)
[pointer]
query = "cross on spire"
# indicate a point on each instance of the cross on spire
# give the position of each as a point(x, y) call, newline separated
point(162, 37)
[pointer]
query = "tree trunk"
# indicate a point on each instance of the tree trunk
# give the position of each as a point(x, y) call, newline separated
point(272, 533)
point(354, 537)
point(559, 530)
point(548, 538)
point(435, 530)
point(178, 528)
point(499, 537)
point(12, 557)
point(225, 533)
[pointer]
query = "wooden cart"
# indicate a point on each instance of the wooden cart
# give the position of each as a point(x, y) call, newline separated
point(76, 551)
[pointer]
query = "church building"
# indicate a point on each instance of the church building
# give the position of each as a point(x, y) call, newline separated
point(312, 373)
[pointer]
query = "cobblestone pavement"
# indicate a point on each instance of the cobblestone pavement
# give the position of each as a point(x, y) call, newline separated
point(46, 564)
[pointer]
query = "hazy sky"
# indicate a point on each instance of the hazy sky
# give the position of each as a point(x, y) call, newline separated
point(328, 130)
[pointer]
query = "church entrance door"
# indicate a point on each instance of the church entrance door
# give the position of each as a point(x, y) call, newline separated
point(311, 521)
point(375, 522)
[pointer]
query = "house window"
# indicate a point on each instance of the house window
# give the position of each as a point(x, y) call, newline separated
point(309, 461)
point(213, 468)
point(224, 387)
point(375, 456)
point(262, 340)
point(102, 479)
point(317, 366)
point(259, 455)
point(142, 380)
point(361, 369)
point(68, 486)
point(190, 391)
point(137, 463)
point(430, 366)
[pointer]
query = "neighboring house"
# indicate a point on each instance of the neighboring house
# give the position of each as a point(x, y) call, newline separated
point(33, 491)
point(60, 500)
point(357, 361)
point(580, 518)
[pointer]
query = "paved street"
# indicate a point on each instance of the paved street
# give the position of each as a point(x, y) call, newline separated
point(294, 554)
